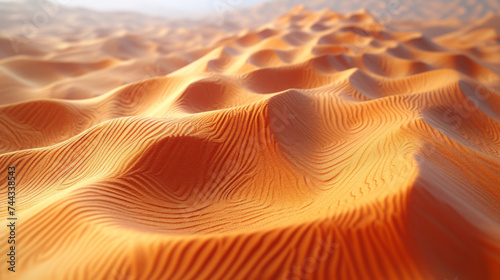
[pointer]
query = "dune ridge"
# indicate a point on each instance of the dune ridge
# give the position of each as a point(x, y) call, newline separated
point(316, 146)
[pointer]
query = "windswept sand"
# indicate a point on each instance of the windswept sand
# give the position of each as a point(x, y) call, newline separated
point(316, 146)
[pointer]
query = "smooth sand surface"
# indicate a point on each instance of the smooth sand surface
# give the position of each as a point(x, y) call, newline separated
point(318, 145)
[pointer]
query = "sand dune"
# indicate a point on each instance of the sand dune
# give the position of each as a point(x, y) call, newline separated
point(318, 145)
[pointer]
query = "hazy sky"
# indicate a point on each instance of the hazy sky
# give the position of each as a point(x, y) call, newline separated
point(406, 9)
point(184, 7)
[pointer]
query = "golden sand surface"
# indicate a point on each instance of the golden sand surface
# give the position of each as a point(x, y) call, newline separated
point(318, 145)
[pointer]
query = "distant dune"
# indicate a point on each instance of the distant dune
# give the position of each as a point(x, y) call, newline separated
point(319, 145)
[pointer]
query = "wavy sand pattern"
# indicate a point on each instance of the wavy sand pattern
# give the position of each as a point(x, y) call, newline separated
point(316, 146)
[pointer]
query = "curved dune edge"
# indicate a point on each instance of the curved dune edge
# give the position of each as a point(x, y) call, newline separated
point(318, 146)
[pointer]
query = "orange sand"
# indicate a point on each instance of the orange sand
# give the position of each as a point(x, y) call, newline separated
point(317, 146)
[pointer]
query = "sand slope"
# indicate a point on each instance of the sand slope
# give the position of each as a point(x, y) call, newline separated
point(317, 146)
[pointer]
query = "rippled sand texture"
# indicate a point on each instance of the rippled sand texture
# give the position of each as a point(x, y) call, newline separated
point(318, 146)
